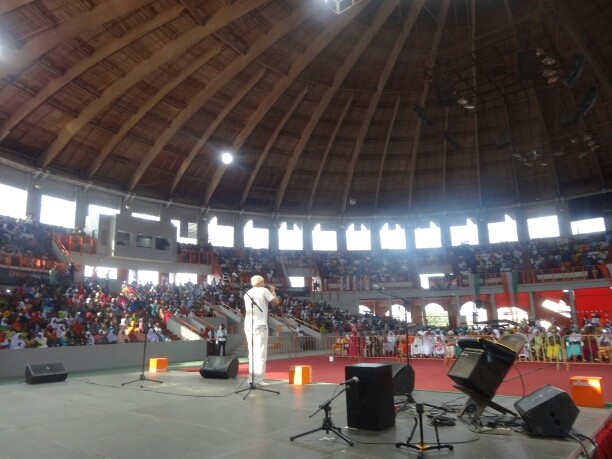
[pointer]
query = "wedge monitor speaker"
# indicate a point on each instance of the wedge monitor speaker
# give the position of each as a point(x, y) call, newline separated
point(45, 372)
point(220, 367)
point(547, 412)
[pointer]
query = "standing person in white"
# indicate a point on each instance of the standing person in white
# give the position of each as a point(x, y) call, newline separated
point(256, 321)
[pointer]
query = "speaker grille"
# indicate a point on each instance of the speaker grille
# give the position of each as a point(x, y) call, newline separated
point(220, 367)
point(548, 412)
point(45, 372)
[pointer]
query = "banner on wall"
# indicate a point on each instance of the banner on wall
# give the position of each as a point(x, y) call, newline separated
point(10, 276)
point(510, 283)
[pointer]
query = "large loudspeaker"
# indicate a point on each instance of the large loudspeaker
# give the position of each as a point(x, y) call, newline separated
point(369, 403)
point(481, 366)
point(403, 378)
point(548, 412)
point(220, 367)
point(45, 372)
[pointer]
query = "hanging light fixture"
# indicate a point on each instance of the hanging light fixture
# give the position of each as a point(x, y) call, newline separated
point(548, 61)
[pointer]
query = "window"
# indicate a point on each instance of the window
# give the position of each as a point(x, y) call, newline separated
point(161, 243)
point(94, 209)
point(543, 227)
point(464, 235)
point(123, 238)
point(324, 240)
point(146, 216)
point(190, 236)
point(399, 312)
point(220, 235)
point(392, 237)
point(435, 315)
point(358, 238)
point(591, 225)
point(425, 278)
point(143, 277)
point(428, 238)
point(290, 238)
point(184, 278)
point(144, 241)
point(14, 201)
point(503, 231)
point(296, 282)
point(256, 238)
point(57, 212)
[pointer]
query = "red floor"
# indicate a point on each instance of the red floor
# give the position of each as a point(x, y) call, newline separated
point(432, 374)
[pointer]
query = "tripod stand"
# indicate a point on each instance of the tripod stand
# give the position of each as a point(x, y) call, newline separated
point(142, 368)
point(328, 425)
point(421, 447)
point(252, 385)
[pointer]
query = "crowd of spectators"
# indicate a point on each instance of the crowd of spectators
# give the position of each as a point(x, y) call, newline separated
point(559, 255)
point(488, 259)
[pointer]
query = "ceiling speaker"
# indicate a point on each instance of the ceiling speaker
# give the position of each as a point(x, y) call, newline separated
point(527, 64)
point(575, 71)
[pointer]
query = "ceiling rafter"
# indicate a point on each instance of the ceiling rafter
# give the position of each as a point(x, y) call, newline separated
point(270, 143)
point(410, 21)
point(114, 91)
point(385, 149)
point(219, 118)
point(73, 72)
point(238, 65)
point(330, 143)
point(443, 14)
point(16, 60)
point(144, 109)
point(573, 29)
point(298, 66)
point(10, 5)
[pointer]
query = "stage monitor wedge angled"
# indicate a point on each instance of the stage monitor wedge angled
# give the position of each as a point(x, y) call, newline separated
point(220, 367)
point(45, 372)
point(403, 378)
point(547, 412)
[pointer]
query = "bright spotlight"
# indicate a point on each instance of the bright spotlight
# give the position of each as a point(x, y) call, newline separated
point(227, 158)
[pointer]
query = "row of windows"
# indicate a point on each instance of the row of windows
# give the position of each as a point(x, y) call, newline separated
point(60, 212)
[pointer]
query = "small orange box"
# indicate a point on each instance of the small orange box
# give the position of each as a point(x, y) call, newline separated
point(158, 364)
point(300, 374)
point(587, 391)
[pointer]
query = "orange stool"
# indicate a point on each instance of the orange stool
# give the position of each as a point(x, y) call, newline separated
point(587, 391)
point(158, 364)
point(300, 374)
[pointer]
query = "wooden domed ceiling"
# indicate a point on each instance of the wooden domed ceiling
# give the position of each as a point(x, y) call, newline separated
point(386, 107)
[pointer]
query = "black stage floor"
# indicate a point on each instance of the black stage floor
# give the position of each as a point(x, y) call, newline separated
point(95, 416)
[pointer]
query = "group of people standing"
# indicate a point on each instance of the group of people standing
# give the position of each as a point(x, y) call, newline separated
point(215, 340)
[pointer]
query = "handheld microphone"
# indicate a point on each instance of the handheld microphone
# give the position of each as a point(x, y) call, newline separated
point(349, 382)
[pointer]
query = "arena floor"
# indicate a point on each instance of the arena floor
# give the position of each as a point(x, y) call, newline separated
point(116, 414)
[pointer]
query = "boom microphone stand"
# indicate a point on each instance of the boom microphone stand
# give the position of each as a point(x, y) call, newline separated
point(421, 446)
point(142, 369)
point(405, 302)
point(328, 424)
point(252, 385)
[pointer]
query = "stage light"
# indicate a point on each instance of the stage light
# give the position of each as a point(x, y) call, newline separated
point(227, 158)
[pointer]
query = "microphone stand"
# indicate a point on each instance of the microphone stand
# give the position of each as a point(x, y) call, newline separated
point(328, 425)
point(421, 446)
point(252, 385)
point(405, 303)
point(142, 369)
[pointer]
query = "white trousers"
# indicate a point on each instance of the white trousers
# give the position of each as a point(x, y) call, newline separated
point(258, 352)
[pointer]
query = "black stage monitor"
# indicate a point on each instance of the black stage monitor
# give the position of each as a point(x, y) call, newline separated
point(479, 370)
